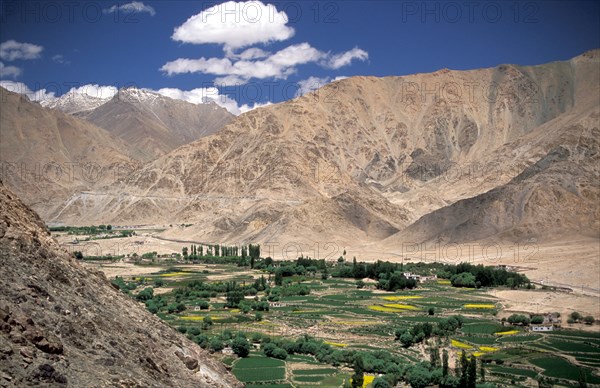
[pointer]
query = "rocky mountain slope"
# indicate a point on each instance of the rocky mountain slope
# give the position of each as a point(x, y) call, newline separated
point(152, 124)
point(46, 155)
point(75, 102)
point(506, 153)
point(362, 159)
point(62, 325)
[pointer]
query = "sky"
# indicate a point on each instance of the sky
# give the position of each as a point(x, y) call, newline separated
point(244, 55)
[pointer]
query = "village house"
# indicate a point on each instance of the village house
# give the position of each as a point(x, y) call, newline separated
point(277, 304)
point(541, 328)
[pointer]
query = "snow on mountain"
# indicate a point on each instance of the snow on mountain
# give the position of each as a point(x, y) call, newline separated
point(76, 101)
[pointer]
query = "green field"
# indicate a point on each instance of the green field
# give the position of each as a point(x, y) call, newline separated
point(260, 374)
point(335, 312)
point(561, 368)
point(321, 371)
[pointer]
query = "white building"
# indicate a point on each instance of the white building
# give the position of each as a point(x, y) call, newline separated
point(541, 328)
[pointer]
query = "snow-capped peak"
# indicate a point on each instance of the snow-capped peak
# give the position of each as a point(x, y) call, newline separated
point(78, 100)
point(133, 94)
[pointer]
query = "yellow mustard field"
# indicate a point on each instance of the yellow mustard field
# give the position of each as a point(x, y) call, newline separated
point(401, 297)
point(460, 345)
point(401, 306)
point(510, 332)
point(479, 306)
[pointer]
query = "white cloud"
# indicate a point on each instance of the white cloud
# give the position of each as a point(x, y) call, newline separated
point(230, 80)
point(344, 59)
point(310, 84)
point(133, 7)
point(9, 71)
point(246, 108)
point(21, 88)
point(279, 65)
point(12, 50)
point(95, 90)
point(60, 59)
point(205, 95)
point(313, 83)
point(295, 55)
point(235, 25)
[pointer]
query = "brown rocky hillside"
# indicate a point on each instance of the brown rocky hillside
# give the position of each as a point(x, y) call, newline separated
point(62, 325)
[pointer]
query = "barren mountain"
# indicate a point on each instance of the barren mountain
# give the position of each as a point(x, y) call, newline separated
point(363, 158)
point(75, 102)
point(505, 152)
point(45, 154)
point(152, 124)
point(63, 325)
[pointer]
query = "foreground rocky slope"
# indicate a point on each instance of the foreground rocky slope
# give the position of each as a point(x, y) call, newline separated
point(62, 325)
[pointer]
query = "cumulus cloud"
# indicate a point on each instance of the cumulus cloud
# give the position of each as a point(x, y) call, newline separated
point(279, 65)
point(133, 7)
point(9, 71)
point(21, 88)
point(313, 83)
point(206, 95)
point(12, 50)
point(344, 59)
point(235, 25)
point(95, 90)
point(310, 84)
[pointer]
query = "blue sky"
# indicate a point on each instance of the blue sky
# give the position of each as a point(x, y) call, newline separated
point(267, 52)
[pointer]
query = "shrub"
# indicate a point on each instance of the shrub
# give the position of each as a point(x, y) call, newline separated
point(216, 344)
point(240, 346)
point(464, 279)
point(537, 319)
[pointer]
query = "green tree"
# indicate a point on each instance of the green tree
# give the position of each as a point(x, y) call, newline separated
point(434, 356)
point(234, 298)
point(407, 339)
point(464, 370)
point(445, 363)
point(537, 319)
point(145, 294)
point(482, 372)
point(381, 382)
point(472, 373)
point(358, 377)
point(464, 279)
point(184, 251)
point(241, 346)
point(589, 320)
point(207, 322)
point(216, 345)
